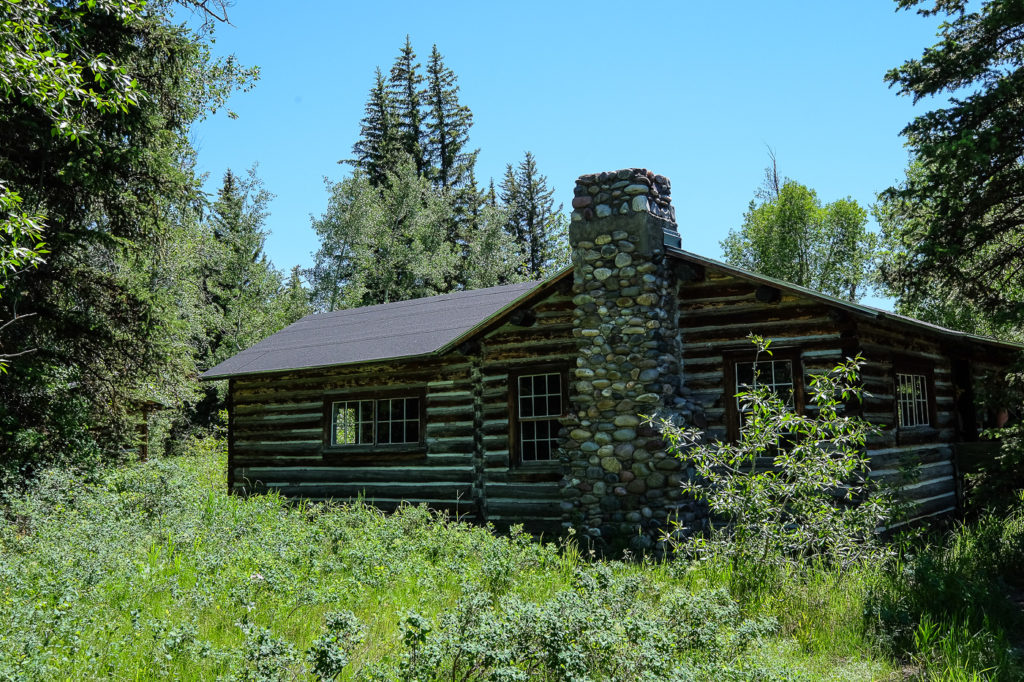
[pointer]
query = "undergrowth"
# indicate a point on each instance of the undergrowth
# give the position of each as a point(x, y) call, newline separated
point(151, 571)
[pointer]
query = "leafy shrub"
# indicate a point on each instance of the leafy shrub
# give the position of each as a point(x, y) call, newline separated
point(265, 658)
point(604, 627)
point(330, 653)
point(815, 499)
point(946, 605)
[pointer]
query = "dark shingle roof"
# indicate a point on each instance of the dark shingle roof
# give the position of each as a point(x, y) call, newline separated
point(379, 332)
point(427, 325)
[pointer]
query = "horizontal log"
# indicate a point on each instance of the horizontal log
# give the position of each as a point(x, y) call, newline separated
point(939, 504)
point(450, 446)
point(463, 411)
point(441, 428)
point(522, 491)
point(533, 473)
point(278, 420)
point(892, 458)
point(358, 474)
point(523, 358)
point(496, 459)
point(922, 469)
point(284, 409)
point(271, 434)
point(522, 509)
point(308, 448)
point(419, 491)
point(740, 342)
point(449, 398)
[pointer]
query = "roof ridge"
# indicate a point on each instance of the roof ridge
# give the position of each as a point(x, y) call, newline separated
point(410, 302)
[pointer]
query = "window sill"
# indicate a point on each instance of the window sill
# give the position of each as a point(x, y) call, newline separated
point(913, 435)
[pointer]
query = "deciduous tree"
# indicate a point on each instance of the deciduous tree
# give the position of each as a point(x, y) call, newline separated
point(381, 244)
point(790, 235)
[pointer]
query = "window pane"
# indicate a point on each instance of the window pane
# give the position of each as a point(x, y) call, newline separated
point(911, 400)
point(344, 425)
point(783, 372)
point(540, 406)
point(744, 374)
point(350, 424)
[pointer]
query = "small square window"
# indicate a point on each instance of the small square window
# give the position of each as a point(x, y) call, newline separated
point(781, 372)
point(775, 375)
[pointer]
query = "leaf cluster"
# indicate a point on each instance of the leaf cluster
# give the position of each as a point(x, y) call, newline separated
point(794, 486)
point(791, 236)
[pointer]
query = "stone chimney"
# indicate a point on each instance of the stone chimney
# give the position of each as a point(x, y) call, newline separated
point(621, 485)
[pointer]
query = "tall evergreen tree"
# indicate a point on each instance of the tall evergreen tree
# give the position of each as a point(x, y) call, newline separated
point(957, 218)
point(405, 88)
point(447, 125)
point(242, 284)
point(379, 146)
point(107, 160)
point(533, 221)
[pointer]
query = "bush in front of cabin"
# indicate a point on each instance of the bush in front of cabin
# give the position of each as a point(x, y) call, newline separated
point(604, 626)
point(793, 487)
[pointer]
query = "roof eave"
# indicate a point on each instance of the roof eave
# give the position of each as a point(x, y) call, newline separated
point(856, 308)
point(234, 375)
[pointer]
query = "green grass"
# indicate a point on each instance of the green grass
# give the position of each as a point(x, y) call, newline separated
point(150, 571)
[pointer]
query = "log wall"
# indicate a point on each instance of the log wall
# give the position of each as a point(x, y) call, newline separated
point(718, 310)
point(523, 493)
point(278, 436)
point(919, 459)
point(464, 465)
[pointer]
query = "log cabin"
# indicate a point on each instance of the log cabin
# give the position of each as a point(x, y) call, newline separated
point(521, 403)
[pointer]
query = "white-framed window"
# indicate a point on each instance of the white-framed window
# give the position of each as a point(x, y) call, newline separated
point(379, 421)
point(775, 375)
point(912, 407)
point(539, 405)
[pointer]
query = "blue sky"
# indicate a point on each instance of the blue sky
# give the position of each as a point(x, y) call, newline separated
point(694, 91)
